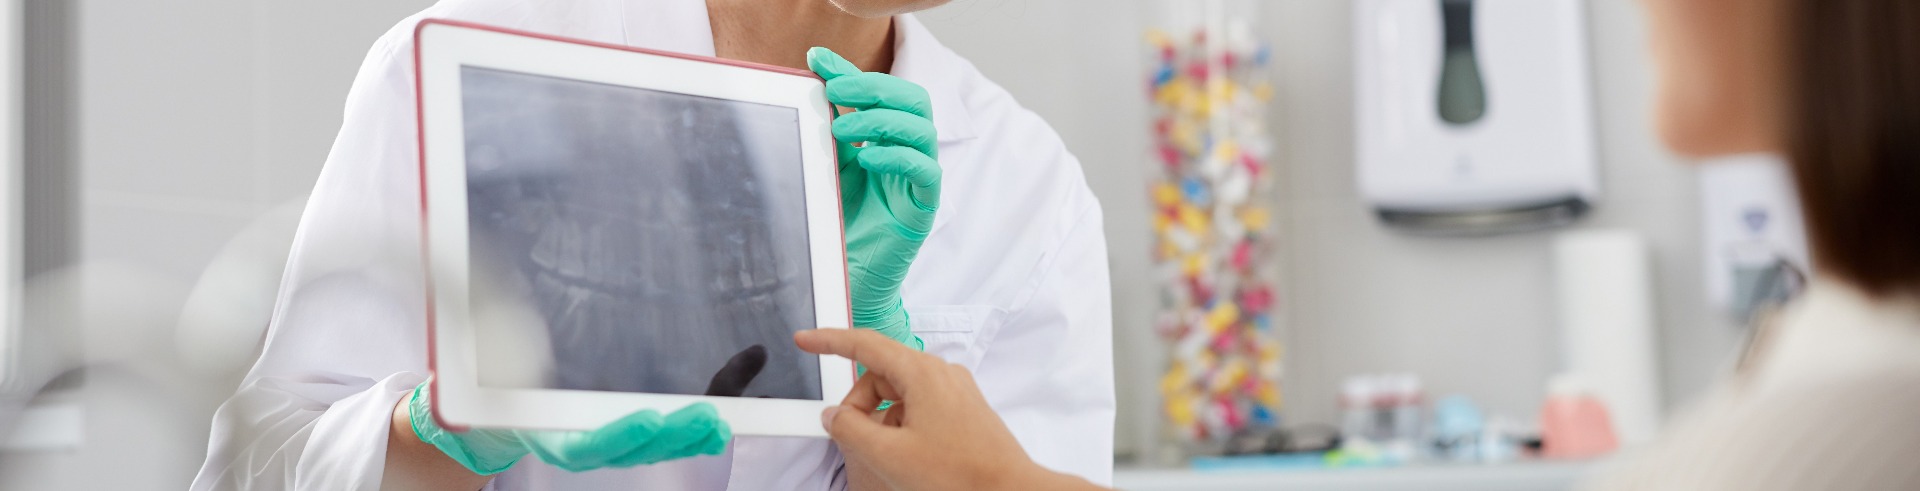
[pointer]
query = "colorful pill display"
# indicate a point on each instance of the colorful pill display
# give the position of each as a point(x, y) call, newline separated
point(1214, 241)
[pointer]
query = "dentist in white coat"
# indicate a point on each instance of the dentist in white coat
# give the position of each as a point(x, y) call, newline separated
point(1010, 280)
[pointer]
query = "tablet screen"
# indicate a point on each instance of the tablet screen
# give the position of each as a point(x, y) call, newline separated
point(632, 240)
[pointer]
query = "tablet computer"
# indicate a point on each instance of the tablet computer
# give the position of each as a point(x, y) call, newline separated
point(610, 229)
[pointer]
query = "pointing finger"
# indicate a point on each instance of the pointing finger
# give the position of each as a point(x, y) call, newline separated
point(880, 354)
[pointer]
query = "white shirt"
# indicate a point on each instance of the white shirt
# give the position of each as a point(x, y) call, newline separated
point(1011, 283)
point(1827, 401)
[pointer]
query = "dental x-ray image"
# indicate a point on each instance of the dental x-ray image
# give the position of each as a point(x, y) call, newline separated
point(633, 240)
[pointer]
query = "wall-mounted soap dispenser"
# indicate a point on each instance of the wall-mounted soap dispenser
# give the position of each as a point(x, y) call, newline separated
point(1474, 116)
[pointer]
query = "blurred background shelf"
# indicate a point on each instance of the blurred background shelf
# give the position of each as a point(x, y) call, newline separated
point(1529, 476)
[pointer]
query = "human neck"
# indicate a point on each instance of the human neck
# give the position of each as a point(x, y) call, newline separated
point(778, 32)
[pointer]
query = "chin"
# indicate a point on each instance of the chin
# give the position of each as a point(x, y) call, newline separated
point(1704, 138)
point(884, 8)
point(1704, 121)
point(1690, 140)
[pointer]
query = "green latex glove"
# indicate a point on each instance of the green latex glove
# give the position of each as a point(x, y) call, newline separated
point(641, 438)
point(889, 186)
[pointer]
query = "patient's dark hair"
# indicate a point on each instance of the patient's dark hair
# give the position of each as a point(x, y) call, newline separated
point(1853, 134)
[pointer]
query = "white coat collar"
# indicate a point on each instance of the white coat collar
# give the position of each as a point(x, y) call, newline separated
point(682, 25)
point(921, 59)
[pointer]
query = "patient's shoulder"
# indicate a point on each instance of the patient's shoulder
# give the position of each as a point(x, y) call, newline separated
point(1851, 432)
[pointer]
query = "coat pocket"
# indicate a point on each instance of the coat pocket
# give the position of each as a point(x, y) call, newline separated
point(956, 333)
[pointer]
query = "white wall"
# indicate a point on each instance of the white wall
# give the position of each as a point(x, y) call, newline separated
point(1472, 316)
point(1078, 64)
point(197, 116)
point(194, 118)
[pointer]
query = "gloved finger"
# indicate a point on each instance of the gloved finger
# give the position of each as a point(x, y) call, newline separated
point(595, 449)
point(871, 90)
point(693, 430)
point(845, 152)
point(889, 317)
point(920, 171)
point(828, 64)
point(888, 127)
point(572, 451)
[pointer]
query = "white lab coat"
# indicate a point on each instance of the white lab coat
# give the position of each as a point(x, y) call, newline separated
point(1012, 283)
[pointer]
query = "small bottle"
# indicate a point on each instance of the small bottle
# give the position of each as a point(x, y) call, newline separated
point(1408, 406)
point(1357, 426)
point(1457, 428)
point(1381, 407)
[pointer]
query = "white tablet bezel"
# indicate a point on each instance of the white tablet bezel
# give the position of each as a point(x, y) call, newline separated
point(440, 48)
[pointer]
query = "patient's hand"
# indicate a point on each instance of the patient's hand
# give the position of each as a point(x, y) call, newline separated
point(940, 434)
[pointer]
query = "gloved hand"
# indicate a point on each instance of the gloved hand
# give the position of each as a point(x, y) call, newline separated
point(640, 438)
point(889, 186)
